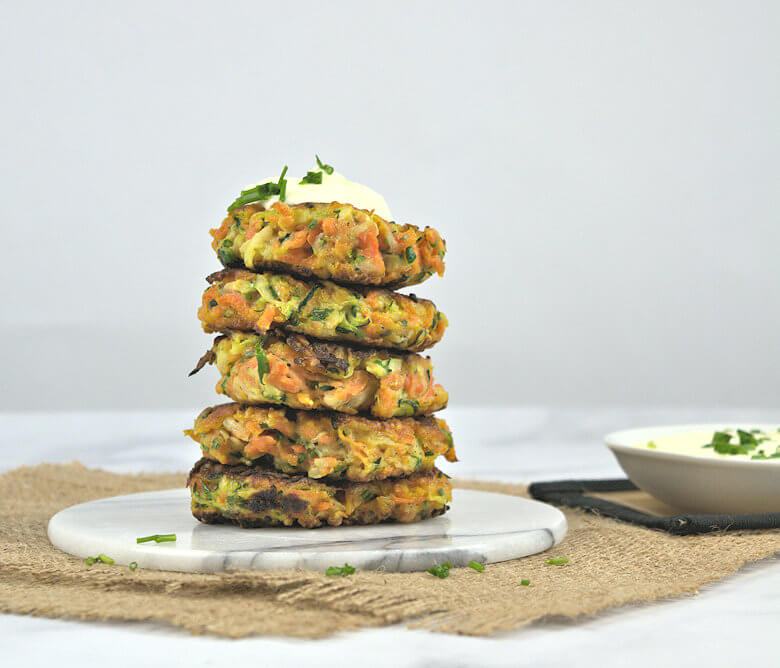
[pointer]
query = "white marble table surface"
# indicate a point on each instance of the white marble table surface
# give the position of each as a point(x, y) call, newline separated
point(733, 622)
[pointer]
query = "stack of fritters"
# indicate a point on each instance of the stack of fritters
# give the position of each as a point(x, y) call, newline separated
point(332, 422)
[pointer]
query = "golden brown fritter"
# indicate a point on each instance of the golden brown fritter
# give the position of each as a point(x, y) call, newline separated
point(241, 300)
point(255, 497)
point(321, 444)
point(313, 375)
point(333, 241)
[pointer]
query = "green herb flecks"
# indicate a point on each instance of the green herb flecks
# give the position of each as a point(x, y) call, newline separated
point(226, 255)
point(557, 561)
point(132, 565)
point(263, 367)
point(325, 168)
point(746, 438)
point(157, 538)
point(312, 177)
point(652, 445)
point(480, 568)
point(411, 256)
point(761, 454)
point(525, 583)
point(721, 443)
point(341, 571)
point(442, 571)
point(412, 403)
point(319, 313)
point(346, 328)
point(306, 299)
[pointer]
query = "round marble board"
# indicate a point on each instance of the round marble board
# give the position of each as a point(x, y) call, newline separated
point(479, 526)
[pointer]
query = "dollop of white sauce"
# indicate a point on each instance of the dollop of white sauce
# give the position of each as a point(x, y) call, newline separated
point(693, 442)
point(335, 187)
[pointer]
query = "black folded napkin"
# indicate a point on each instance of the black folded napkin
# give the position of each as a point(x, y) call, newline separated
point(574, 494)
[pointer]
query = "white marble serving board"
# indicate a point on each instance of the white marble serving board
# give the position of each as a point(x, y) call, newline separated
point(480, 526)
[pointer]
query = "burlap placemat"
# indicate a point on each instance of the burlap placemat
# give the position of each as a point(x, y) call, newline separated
point(610, 564)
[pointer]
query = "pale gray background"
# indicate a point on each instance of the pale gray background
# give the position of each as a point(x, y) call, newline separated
point(605, 175)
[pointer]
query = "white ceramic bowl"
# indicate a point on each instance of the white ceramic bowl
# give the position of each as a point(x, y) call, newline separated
point(698, 484)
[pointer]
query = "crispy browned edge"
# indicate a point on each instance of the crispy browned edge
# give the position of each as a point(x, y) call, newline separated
point(233, 273)
point(338, 419)
point(314, 353)
point(211, 468)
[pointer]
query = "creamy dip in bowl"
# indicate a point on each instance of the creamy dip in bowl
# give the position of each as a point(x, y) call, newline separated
point(711, 468)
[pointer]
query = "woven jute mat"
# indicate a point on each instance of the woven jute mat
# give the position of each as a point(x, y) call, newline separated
point(610, 564)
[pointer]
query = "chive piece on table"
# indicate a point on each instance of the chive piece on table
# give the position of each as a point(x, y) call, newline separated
point(557, 561)
point(442, 571)
point(132, 565)
point(157, 538)
point(165, 538)
point(342, 571)
point(476, 566)
point(525, 583)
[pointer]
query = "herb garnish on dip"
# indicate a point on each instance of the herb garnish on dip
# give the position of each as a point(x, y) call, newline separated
point(745, 444)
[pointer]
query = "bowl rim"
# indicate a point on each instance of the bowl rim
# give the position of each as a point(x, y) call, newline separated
point(625, 440)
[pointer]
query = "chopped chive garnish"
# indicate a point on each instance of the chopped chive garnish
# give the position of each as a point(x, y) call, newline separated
point(101, 558)
point(557, 561)
point(256, 194)
point(525, 583)
point(262, 192)
point(132, 565)
point(476, 566)
point(157, 538)
point(442, 571)
point(341, 571)
point(411, 256)
point(283, 185)
point(325, 168)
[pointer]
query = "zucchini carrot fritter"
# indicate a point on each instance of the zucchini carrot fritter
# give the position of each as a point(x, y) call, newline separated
point(255, 497)
point(321, 444)
point(240, 300)
point(331, 241)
